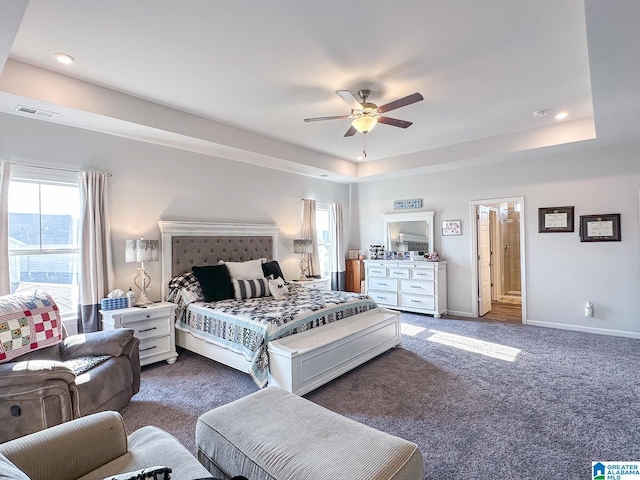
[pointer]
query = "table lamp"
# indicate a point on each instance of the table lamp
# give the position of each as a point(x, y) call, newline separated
point(142, 251)
point(304, 247)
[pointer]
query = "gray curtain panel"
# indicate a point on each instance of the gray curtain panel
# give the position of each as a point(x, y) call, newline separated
point(96, 262)
point(5, 170)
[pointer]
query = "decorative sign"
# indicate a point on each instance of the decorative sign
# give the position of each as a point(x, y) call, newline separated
point(405, 204)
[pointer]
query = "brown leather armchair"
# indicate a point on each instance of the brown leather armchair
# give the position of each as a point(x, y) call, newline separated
point(83, 374)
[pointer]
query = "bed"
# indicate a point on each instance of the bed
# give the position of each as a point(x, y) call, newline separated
point(298, 343)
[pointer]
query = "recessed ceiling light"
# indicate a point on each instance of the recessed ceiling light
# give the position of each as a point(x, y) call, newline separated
point(562, 115)
point(64, 58)
point(359, 157)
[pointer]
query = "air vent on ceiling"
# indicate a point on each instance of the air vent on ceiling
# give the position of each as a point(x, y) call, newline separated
point(35, 111)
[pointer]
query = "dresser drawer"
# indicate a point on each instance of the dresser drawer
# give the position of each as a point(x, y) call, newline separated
point(417, 286)
point(423, 273)
point(377, 271)
point(398, 272)
point(154, 346)
point(417, 301)
point(421, 265)
point(144, 314)
point(383, 284)
point(152, 327)
point(386, 298)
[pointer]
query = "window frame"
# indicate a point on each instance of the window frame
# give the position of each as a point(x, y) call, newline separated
point(54, 177)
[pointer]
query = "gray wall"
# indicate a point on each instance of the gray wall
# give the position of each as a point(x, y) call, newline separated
point(562, 273)
point(151, 183)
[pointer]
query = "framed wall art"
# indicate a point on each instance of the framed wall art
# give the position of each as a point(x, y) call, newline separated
point(555, 219)
point(600, 228)
point(451, 227)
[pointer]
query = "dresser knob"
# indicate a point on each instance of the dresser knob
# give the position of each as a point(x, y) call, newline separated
point(148, 316)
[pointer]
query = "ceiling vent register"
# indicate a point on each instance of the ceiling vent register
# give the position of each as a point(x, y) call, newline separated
point(35, 111)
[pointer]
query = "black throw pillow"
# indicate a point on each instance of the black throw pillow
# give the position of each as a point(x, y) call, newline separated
point(272, 268)
point(215, 282)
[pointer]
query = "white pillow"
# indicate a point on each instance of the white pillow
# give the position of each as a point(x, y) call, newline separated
point(278, 288)
point(245, 270)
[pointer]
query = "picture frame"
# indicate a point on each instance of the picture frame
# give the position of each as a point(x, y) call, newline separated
point(555, 219)
point(353, 254)
point(600, 228)
point(451, 227)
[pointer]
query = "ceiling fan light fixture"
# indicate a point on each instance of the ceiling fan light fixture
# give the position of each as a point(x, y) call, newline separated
point(364, 124)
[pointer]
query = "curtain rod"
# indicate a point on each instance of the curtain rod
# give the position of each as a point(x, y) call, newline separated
point(109, 174)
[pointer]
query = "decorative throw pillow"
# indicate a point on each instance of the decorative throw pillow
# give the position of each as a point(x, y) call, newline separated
point(215, 282)
point(9, 471)
point(28, 322)
point(278, 288)
point(155, 473)
point(257, 287)
point(183, 280)
point(272, 268)
point(245, 270)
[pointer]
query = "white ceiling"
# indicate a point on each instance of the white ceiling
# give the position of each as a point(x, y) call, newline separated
point(236, 79)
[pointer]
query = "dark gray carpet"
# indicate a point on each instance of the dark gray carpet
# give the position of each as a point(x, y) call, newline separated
point(567, 399)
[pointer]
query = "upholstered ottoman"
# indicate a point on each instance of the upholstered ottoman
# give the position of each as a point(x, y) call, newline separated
point(276, 435)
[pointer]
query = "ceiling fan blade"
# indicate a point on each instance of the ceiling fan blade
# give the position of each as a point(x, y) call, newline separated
point(350, 98)
point(395, 122)
point(317, 119)
point(351, 132)
point(401, 102)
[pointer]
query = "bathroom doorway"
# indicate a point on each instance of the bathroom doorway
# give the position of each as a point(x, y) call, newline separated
point(498, 247)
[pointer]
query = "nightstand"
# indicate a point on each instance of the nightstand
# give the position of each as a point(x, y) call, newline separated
point(317, 283)
point(153, 326)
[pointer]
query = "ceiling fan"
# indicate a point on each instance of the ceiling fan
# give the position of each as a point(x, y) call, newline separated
point(366, 115)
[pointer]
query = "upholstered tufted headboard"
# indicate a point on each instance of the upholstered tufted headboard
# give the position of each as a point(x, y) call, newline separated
point(185, 244)
point(189, 251)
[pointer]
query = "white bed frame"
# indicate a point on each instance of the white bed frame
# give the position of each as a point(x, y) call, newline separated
point(298, 363)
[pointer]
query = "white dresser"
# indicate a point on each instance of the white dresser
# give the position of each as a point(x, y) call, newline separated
point(414, 286)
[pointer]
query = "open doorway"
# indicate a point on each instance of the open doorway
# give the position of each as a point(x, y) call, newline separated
point(498, 247)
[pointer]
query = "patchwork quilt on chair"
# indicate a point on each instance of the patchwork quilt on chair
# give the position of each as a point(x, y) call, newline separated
point(28, 322)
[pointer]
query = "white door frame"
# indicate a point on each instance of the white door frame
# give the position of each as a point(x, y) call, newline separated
point(474, 251)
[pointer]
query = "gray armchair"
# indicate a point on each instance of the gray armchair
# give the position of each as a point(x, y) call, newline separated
point(81, 375)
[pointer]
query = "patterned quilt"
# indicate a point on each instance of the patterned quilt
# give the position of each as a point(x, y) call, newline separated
point(246, 326)
point(28, 322)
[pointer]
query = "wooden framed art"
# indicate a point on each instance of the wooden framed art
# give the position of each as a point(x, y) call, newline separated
point(600, 228)
point(353, 254)
point(451, 227)
point(555, 219)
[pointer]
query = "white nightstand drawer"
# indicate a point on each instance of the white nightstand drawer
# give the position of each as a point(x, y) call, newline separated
point(152, 328)
point(422, 273)
point(417, 301)
point(399, 272)
point(387, 298)
point(154, 346)
point(377, 271)
point(143, 314)
point(417, 286)
point(383, 284)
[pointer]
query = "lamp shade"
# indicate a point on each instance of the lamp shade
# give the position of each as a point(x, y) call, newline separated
point(302, 246)
point(364, 124)
point(142, 250)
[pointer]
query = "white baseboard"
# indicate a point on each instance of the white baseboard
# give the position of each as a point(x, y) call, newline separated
point(580, 328)
point(459, 314)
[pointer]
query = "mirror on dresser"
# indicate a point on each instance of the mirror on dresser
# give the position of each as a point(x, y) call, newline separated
point(405, 232)
point(413, 285)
